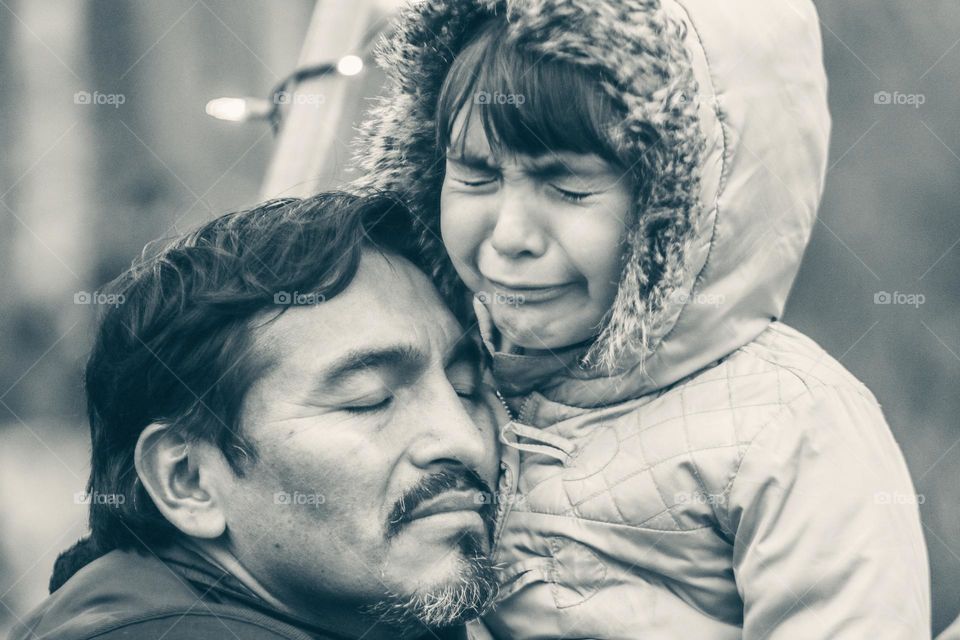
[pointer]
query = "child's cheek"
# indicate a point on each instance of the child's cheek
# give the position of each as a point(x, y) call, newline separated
point(600, 245)
point(462, 233)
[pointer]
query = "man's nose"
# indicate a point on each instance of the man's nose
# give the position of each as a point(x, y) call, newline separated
point(517, 232)
point(446, 433)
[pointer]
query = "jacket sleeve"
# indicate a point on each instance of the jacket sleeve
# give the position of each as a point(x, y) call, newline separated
point(827, 534)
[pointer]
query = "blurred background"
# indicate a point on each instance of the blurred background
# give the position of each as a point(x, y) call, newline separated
point(106, 145)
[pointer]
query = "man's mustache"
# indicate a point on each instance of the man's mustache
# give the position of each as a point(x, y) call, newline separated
point(460, 479)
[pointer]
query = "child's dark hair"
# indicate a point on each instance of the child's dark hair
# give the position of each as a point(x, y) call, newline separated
point(526, 103)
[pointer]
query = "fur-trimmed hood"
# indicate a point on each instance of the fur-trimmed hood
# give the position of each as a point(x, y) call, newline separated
point(737, 95)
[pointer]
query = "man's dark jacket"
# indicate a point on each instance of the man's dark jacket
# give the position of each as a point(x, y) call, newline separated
point(176, 595)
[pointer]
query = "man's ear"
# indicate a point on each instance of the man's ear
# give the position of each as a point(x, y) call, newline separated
point(179, 477)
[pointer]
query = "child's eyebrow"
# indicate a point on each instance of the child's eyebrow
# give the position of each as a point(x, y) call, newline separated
point(472, 160)
point(543, 168)
point(549, 167)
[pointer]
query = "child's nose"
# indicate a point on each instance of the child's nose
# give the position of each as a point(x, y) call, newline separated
point(516, 232)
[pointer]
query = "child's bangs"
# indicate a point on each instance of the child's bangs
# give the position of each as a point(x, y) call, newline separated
point(526, 103)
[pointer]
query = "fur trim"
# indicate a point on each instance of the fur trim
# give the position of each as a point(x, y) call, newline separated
point(641, 52)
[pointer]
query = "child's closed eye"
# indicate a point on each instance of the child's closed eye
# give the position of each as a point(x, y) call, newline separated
point(476, 182)
point(572, 196)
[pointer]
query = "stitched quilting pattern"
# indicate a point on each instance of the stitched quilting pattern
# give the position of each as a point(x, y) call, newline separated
point(644, 488)
point(665, 464)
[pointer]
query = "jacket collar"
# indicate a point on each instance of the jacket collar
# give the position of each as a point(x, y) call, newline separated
point(209, 577)
point(557, 375)
point(518, 373)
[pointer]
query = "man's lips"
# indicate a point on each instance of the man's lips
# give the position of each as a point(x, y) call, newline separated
point(450, 502)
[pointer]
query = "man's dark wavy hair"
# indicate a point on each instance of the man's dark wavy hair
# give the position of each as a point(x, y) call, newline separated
point(177, 349)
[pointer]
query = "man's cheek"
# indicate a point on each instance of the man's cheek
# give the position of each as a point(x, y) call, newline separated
point(489, 416)
point(309, 496)
point(490, 413)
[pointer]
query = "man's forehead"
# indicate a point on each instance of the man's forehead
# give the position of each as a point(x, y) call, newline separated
point(389, 303)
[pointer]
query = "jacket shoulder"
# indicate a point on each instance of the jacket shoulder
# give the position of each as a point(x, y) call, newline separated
point(125, 594)
point(752, 386)
point(802, 363)
point(781, 368)
point(709, 421)
point(208, 623)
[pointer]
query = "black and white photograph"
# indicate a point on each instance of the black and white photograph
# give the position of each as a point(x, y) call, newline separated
point(479, 320)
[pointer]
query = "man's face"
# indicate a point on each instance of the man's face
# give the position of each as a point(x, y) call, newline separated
point(376, 449)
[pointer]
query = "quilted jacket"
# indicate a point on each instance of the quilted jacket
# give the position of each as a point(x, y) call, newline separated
point(724, 477)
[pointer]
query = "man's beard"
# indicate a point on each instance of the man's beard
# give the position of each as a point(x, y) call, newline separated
point(469, 594)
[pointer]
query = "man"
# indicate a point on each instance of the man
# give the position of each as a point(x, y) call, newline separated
point(290, 439)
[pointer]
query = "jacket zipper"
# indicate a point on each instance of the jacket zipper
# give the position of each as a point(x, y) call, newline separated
point(523, 409)
point(504, 508)
point(506, 407)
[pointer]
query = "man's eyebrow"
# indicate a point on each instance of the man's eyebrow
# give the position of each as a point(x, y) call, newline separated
point(354, 361)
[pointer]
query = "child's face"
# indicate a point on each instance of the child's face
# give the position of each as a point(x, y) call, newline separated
point(541, 237)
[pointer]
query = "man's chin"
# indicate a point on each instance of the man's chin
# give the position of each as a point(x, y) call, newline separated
point(420, 563)
point(443, 591)
point(431, 547)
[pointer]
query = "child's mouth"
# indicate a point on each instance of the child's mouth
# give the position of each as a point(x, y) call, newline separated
point(519, 294)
